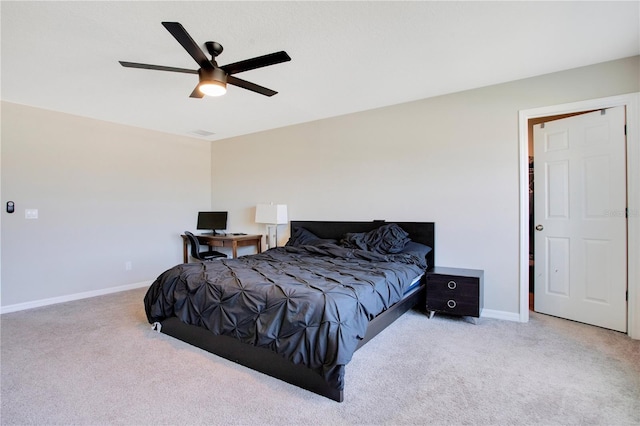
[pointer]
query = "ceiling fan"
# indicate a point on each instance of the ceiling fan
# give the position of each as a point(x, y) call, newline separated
point(214, 78)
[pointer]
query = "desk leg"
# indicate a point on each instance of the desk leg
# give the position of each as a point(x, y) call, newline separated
point(185, 254)
point(259, 245)
point(234, 249)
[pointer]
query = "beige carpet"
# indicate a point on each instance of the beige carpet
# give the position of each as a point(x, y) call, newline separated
point(97, 361)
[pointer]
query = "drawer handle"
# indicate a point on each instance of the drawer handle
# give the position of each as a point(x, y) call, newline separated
point(451, 303)
point(452, 285)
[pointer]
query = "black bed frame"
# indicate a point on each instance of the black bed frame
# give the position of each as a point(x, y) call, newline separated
point(268, 362)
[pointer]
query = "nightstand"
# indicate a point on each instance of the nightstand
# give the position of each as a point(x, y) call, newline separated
point(455, 291)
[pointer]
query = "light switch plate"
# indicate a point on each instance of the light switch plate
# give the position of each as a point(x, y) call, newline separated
point(31, 213)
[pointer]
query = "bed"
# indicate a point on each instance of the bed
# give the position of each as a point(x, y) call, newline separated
point(299, 312)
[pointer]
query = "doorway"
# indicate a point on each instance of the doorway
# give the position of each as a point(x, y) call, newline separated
point(580, 246)
point(632, 104)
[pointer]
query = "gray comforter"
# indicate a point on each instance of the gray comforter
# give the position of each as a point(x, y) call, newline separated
point(310, 304)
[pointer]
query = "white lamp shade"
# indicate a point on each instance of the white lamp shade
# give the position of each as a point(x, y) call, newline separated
point(273, 214)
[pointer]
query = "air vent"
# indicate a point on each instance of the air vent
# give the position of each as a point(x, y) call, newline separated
point(203, 133)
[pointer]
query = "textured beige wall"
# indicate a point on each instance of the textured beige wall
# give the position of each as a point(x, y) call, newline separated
point(451, 159)
point(105, 193)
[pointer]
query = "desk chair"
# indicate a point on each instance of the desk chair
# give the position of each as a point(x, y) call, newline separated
point(195, 249)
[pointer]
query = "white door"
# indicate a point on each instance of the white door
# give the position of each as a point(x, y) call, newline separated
point(580, 218)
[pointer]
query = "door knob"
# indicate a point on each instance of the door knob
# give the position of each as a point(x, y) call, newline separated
point(539, 228)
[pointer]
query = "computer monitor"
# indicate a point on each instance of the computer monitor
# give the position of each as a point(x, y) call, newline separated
point(212, 221)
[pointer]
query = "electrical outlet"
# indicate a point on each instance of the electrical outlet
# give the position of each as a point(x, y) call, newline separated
point(31, 213)
point(127, 265)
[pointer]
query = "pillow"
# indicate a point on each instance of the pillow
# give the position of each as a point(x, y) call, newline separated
point(303, 237)
point(387, 239)
point(418, 250)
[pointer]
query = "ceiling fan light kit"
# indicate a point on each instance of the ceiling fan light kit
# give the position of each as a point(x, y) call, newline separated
point(213, 79)
point(212, 82)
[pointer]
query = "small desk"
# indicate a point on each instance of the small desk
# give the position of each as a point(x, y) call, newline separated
point(232, 241)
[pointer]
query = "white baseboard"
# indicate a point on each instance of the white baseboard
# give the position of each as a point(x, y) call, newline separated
point(486, 313)
point(501, 315)
point(68, 298)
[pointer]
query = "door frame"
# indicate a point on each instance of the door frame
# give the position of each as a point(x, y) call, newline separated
point(632, 103)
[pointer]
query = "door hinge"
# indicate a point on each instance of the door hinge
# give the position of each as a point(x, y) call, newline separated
point(625, 130)
point(626, 295)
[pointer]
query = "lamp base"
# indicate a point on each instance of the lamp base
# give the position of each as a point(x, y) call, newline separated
point(272, 236)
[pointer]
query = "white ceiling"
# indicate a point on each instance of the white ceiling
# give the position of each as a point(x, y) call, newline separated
point(346, 56)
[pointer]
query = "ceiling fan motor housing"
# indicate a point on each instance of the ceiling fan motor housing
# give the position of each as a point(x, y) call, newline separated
point(216, 74)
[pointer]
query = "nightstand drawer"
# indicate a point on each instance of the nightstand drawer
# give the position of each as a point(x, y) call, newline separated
point(448, 285)
point(454, 306)
point(455, 291)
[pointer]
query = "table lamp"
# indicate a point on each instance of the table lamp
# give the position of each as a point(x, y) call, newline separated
point(272, 215)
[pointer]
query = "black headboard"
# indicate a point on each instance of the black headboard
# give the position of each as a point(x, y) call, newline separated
point(420, 232)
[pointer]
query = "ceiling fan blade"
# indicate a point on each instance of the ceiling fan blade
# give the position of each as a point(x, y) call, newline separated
point(250, 86)
point(257, 62)
point(156, 67)
point(183, 37)
point(196, 93)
